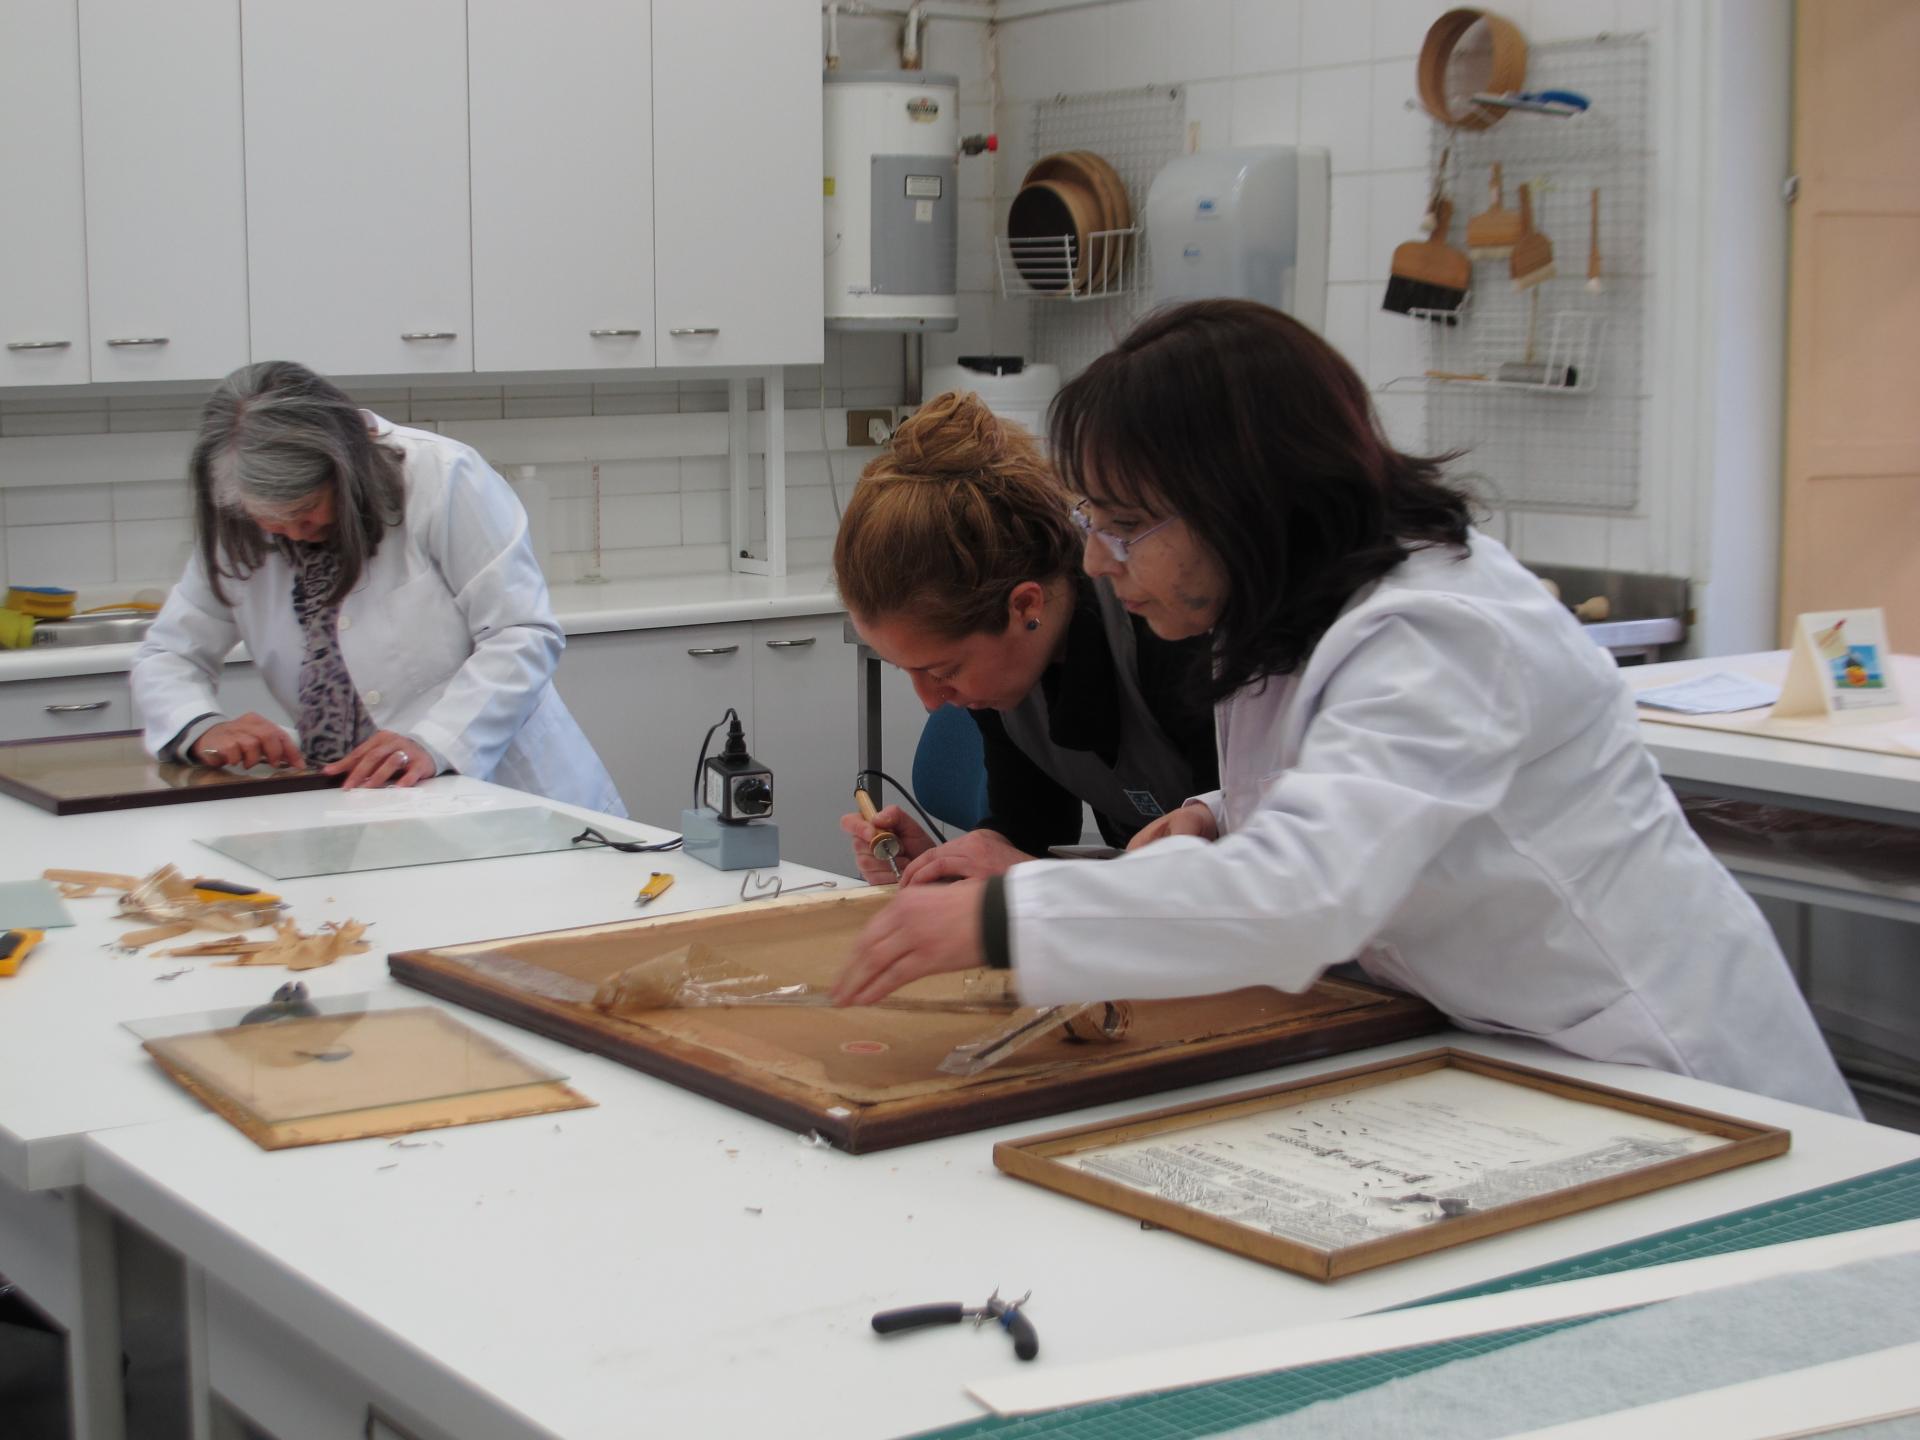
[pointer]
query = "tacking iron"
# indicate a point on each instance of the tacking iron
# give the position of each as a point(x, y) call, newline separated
point(885, 845)
point(1010, 1314)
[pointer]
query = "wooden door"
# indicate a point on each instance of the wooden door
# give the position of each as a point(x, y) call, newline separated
point(43, 226)
point(358, 243)
point(1852, 494)
point(737, 217)
point(166, 188)
point(562, 134)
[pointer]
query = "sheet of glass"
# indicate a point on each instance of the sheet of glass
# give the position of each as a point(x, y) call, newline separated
point(341, 1059)
point(32, 905)
point(412, 840)
point(108, 772)
point(1416, 1151)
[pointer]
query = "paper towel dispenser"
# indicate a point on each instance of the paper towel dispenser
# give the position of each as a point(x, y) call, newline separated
point(1248, 223)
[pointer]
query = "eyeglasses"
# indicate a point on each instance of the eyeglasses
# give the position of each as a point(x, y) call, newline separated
point(1118, 546)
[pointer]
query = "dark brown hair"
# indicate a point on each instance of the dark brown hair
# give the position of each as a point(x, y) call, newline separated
point(274, 438)
point(959, 508)
point(1256, 433)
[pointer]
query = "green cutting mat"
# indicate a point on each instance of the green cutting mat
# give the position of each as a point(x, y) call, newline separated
point(1881, 1198)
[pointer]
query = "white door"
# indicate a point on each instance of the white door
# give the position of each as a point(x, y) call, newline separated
point(166, 188)
point(806, 727)
point(562, 136)
point(356, 136)
point(736, 193)
point(43, 228)
point(645, 697)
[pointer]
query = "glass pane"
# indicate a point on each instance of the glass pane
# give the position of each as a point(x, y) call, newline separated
point(414, 840)
point(117, 767)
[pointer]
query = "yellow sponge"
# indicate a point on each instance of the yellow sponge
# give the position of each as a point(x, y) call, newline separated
point(43, 602)
point(16, 630)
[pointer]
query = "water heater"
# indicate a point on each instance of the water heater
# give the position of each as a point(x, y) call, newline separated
point(892, 214)
point(1248, 224)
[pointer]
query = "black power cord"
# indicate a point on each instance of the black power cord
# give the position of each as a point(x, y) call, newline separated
point(860, 779)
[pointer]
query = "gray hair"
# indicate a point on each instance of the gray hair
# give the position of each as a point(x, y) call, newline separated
point(274, 439)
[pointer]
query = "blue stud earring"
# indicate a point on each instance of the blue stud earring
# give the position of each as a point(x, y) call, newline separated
point(1033, 624)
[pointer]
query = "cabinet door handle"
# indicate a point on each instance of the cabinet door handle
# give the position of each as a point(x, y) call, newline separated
point(127, 340)
point(429, 334)
point(694, 330)
point(38, 344)
point(790, 644)
point(76, 707)
point(605, 334)
point(714, 650)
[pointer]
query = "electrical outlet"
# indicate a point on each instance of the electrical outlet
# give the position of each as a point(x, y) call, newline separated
point(860, 426)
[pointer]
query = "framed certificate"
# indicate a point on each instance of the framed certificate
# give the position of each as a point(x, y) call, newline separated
point(1340, 1173)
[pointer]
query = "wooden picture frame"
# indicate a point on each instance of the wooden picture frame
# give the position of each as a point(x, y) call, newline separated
point(132, 779)
point(867, 1078)
point(1410, 1221)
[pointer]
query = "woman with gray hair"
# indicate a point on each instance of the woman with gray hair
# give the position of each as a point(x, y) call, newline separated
point(382, 581)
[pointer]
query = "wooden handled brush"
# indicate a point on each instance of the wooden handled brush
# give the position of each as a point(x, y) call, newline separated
point(1532, 258)
point(1491, 233)
point(1430, 275)
point(1594, 282)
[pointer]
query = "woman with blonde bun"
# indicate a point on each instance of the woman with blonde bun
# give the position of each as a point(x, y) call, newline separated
point(958, 561)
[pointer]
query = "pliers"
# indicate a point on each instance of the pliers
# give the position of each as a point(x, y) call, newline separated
point(1010, 1314)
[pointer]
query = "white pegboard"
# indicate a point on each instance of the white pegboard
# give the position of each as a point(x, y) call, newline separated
point(1137, 132)
point(1577, 448)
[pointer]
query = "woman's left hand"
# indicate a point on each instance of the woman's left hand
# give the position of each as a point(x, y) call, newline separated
point(924, 930)
point(384, 758)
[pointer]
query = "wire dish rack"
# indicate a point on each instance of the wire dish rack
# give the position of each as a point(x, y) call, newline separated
point(1567, 363)
point(1049, 267)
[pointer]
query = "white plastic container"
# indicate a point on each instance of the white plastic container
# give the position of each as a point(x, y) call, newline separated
point(891, 204)
point(1021, 398)
point(1246, 224)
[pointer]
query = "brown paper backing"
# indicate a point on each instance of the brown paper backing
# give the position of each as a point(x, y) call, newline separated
point(867, 1078)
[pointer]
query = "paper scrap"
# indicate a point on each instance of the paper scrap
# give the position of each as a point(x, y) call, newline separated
point(306, 952)
point(1713, 694)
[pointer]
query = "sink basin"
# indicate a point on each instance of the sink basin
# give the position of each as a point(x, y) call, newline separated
point(92, 630)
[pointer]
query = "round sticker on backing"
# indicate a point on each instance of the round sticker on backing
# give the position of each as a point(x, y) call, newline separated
point(865, 1047)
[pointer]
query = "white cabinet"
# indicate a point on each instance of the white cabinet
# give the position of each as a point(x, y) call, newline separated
point(71, 705)
point(43, 230)
point(356, 143)
point(562, 137)
point(805, 727)
point(737, 183)
point(166, 252)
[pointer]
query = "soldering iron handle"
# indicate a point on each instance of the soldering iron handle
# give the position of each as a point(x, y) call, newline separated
point(1026, 1340)
point(913, 1317)
point(865, 802)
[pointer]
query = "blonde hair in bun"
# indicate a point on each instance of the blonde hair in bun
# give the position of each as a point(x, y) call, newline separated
point(957, 510)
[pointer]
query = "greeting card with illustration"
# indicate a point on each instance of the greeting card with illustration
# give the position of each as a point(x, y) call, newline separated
point(1841, 668)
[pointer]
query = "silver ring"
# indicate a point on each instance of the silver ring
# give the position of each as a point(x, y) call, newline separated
point(401, 756)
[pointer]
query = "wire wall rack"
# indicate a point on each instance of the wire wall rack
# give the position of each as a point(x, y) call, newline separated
point(1563, 432)
point(1137, 132)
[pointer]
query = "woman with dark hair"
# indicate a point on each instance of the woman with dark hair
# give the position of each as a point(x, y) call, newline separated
point(383, 584)
point(957, 559)
point(1425, 765)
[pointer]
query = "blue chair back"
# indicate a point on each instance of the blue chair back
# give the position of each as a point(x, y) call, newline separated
point(950, 768)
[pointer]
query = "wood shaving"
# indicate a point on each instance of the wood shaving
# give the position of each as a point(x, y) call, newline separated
point(140, 939)
point(79, 884)
point(298, 951)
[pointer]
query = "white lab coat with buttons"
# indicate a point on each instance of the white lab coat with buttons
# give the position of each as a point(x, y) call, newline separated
point(448, 636)
point(1452, 790)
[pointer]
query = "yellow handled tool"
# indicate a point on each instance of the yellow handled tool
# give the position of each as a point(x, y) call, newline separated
point(657, 885)
point(212, 890)
point(14, 945)
point(886, 844)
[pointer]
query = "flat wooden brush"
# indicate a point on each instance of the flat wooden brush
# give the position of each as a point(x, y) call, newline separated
point(1491, 233)
point(1430, 274)
point(1532, 258)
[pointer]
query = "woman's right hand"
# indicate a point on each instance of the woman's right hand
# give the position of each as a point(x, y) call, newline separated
point(1187, 820)
point(975, 855)
point(246, 742)
point(914, 842)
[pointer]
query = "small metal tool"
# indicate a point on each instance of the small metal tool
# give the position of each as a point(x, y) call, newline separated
point(289, 1002)
point(886, 844)
point(657, 885)
point(1009, 1313)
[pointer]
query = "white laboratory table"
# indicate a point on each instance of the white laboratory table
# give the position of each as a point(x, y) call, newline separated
point(68, 1069)
point(665, 1265)
point(1825, 779)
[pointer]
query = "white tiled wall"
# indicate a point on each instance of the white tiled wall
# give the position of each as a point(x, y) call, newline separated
point(1333, 73)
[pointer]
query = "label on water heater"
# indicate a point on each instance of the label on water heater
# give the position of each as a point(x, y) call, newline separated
point(922, 111)
point(1190, 253)
point(1205, 209)
point(923, 212)
point(923, 187)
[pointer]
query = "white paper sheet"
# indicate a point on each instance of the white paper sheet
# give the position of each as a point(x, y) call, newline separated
point(1713, 694)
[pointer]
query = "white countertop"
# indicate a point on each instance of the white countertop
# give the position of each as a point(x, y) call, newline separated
point(702, 599)
point(1784, 769)
point(66, 1066)
point(665, 1263)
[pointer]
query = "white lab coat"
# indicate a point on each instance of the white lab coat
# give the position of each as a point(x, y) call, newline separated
point(448, 636)
point(1452, 790)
